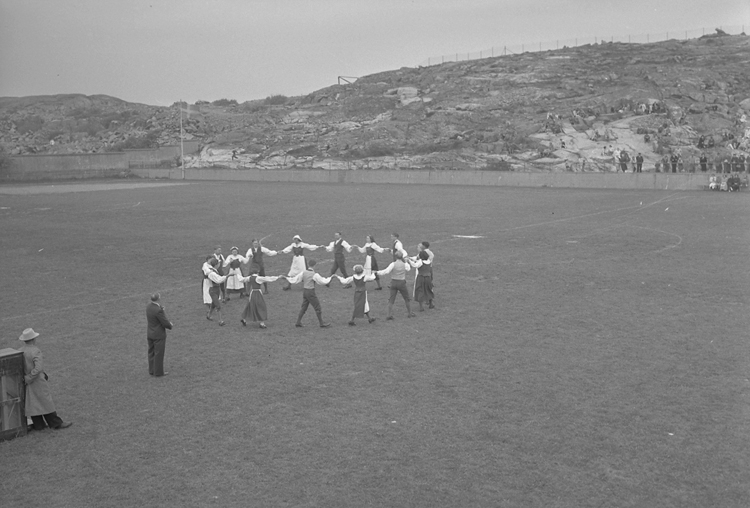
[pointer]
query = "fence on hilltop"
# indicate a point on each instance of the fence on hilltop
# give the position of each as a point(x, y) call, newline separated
point(536, 47)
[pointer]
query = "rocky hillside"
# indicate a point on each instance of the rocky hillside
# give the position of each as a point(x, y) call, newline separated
point(557, 110)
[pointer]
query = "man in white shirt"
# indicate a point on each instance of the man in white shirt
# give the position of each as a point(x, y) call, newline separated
point(309, 278)
point(397, 246)
point(398, 270)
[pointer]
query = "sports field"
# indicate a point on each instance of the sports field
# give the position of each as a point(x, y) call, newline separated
point(589, 349)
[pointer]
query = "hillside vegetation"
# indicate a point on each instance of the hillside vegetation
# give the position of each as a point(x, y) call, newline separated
point(556, 110)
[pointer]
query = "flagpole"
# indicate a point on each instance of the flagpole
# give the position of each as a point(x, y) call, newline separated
point(182, 146)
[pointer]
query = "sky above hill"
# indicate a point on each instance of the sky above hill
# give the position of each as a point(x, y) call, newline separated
point(160, 51)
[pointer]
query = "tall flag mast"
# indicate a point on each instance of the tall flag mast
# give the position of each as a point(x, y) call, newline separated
point(182, 146)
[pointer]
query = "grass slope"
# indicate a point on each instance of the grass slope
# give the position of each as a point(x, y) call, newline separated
point(589, 350)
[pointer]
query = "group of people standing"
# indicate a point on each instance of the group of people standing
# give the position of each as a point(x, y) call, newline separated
point(223, 275)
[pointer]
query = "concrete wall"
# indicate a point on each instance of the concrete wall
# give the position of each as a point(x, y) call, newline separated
point(64, 166)
point(658, 181)
point(88, 165)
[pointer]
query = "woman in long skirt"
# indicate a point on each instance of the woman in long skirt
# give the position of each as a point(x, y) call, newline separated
point(234, 261)
point(298, 260)
point(371, 264)
point(206, 283)
point(361, 305)
point(255, 309)
point(423, 282)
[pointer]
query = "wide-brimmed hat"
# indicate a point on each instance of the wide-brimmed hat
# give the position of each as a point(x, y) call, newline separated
point(296, 237)
point(28, 334)
point(234, 248)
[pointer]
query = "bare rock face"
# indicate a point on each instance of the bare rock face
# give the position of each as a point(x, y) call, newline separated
point(564, 110)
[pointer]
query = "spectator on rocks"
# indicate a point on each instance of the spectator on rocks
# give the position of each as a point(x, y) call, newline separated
point(639, 163)
point(726, 166)
point(735, 163)
point(733, 183)
point(711, 142)
point(647, 138)
point(703, 162)
point(702, 141)
point(742, 163)
point(624, 159)
point(673, 160)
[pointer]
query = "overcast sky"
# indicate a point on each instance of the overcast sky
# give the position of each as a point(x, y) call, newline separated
point(160, 51)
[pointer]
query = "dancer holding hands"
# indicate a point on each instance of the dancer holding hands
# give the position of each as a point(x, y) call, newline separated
point(256, 304)
point(234, 262)
point(371, 264)
point(361, 305)
point(255, 256)
point(298, 260)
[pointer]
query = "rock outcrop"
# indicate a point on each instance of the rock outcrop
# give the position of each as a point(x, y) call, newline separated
point(563, 110)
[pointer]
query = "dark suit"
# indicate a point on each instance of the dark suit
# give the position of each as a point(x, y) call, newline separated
point(158, 324)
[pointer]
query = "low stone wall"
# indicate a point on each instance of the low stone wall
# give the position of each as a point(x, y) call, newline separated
point(88, 165)
point(644, 181)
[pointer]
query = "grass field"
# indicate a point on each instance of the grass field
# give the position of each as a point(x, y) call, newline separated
point(589, 350)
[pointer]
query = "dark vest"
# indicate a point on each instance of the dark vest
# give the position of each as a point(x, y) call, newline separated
point(425, 270)
point(257, 257)
point(359, 284)
point(338, 249)
point(298, 251)
point(254, 284)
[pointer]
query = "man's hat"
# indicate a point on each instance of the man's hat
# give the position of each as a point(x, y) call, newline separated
point(28, 334)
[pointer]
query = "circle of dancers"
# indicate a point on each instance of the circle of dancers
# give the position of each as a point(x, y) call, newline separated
point(223, 276)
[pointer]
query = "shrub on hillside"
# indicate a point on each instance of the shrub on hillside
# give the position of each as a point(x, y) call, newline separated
point(498, 166)
point(252, 106)
point(135, 143)
point(31, 123)
point(224, 102)
point(276, 100)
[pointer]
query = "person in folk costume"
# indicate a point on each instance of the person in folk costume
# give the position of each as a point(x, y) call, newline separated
point(309, 278)
point(256, 304)
point(220, 269)
point(397, 246)
point(39, 405)
point(234, 262)
point(216, 281)
point(361, 305)
point(423, 281)
point(425, 246)
point(299, 264)
point(255, 256)
point(337, 246)
point(398, 270)
point(371, 264)
point(206, 282)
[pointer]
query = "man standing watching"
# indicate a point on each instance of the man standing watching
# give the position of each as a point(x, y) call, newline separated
point(156, 334)
point(39, 405)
